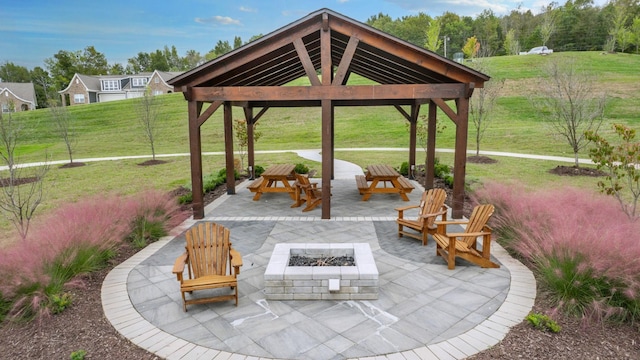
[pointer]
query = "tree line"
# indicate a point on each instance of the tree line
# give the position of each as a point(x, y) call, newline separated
point(577, 25)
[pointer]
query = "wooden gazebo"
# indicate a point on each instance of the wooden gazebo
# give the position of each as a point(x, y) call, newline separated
point(333, 46)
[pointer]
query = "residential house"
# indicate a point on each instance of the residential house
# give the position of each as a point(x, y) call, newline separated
point(17, 97)
point(88, 89)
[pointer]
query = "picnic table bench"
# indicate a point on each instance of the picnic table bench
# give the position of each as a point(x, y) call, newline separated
point(268, 182)
point(385, 174)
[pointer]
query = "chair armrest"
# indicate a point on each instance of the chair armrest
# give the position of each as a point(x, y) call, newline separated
point(407, 207)
point(178, 266)
point(473, 234)
point(236, 258)
point(452, 222)
point(433, 214)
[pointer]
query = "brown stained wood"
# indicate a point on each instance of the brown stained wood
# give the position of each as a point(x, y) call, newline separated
point(306, 62)
point(210, 111)
point(431, 145)
point(208, 252)
point(195, 149)
point(228, 148)
point(252, 76)
point(446, 109)
point(347, 56)
point(431, 207)
point(460, 157)
point(304, 93)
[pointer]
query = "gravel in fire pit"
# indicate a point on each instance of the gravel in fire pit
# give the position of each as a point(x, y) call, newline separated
point(298, 260)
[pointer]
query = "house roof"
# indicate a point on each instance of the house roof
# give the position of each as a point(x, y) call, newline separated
point(274, 60)
point(23, 91)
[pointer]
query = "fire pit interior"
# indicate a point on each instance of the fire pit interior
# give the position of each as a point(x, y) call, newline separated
point(357, 281)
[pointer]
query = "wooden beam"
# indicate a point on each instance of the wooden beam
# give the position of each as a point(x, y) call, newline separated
point(402, 112)
point(447, 110)
point(303, 54)
point(250, 121)
point(260, 113)
point(327, 158)
point(207, 113)
point(345, 61)
point(358, 92)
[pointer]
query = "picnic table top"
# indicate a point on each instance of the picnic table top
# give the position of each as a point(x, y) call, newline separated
point(382, 171)
point(279, 170)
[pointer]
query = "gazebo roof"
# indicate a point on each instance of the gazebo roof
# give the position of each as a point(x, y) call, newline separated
point(326, 48)
point(275, 60)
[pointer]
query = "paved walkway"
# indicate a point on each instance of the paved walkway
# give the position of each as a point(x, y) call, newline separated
point(424, 311)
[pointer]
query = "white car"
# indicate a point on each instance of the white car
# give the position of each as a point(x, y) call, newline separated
point(540, 50)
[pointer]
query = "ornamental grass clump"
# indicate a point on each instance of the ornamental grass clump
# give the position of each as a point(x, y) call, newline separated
point(584, 248)
point(75, 239)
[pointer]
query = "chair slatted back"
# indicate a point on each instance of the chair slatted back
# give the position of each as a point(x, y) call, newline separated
point(303, 180)
point(431, 202)
point(477, 221)
point(208, 248)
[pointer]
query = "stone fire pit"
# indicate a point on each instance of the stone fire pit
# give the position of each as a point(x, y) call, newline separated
point(358, 282)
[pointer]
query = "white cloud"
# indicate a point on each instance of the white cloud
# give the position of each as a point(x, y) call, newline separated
point(218, 20)
point(247, 9)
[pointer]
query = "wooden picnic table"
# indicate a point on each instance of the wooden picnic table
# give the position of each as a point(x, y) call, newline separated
point(385, 174)
point(275, 179)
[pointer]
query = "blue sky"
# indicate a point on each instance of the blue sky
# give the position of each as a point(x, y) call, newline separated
point(33, 30)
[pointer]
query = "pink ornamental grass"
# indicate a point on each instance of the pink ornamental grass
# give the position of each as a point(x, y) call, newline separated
point(571, 223)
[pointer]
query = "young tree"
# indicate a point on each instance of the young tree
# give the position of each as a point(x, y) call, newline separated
point(511, 43)
point(20, 196)
point(148, 110)
point(242, 138)
point(422, 134)
point(471, 47)
point(635, 31)
point(548, 26)
point(570, 103)
point(622, 165)
point(61, 121)
point(482, 102)
point(433, 36)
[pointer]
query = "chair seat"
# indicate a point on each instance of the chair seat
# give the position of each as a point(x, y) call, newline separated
point(443, 241)
point(208, 282)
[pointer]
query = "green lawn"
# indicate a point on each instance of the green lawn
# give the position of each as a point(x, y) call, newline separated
point(112, 129)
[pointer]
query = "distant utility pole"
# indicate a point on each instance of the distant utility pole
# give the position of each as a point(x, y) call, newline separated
point(446, 38)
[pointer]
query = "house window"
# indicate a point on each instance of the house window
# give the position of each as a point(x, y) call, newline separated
point(5, 108)
point(110, 85)
point(139, 82)
point(156, 80)
point(157, 92)
point(78, 98)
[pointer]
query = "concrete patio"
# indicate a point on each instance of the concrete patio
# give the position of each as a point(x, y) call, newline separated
point(424, 311)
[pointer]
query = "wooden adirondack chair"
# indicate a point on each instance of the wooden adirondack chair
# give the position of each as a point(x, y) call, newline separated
point(211, 262)
point(431, 206)
point(464, 245)
point(306, 192)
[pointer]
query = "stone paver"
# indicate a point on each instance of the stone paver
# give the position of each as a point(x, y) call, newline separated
point(424, 311)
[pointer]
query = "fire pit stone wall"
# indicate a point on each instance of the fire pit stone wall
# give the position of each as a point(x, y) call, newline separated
point(284, 282)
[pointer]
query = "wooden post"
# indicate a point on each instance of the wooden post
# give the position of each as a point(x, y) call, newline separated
point(228, 146)
point(431, 145)
point(327, 117)
point(460, 160)
point(413, 123)
point(195, 148)
point(248, 114)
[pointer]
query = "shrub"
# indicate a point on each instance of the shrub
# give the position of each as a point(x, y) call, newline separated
point(222, 174)
point(543, 322)
point(258, 170)
point(441, 170)
point(582, 244)
point(404, 169)
point(60, 302)
point(185, 199)
point(78, 355)
point(448, 180)
point(301, 169)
